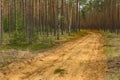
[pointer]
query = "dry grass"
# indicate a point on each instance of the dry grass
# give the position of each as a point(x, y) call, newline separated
point(112, 50)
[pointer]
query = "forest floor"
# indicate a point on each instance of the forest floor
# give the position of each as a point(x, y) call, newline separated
point(81, 59)
point(112, 50)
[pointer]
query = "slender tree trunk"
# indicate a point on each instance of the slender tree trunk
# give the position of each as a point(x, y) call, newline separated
point(54, 16)
point(31, 23)
point(23, 15)
point(70, 19)
point(1, 21)
point(15, 14)
point(77, 15)
point(59, 19)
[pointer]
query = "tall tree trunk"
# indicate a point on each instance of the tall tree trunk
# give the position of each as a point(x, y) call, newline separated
point(1, 26)
point(59, 19)
point(70, 17)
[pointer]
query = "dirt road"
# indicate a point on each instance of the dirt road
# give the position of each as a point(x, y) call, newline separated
point(81, 59)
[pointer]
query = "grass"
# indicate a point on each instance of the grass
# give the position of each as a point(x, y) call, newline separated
point(112, 51)
point(44, 43)
point(32, 47)
point(59, 71)
point(112, 43)
point(6, 60)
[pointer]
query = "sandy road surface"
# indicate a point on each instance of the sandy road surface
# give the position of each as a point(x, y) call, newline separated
point(81, 59)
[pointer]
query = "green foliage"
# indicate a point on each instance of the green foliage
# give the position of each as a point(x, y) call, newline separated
point(62, 18)
point(87, 6)
point(47, 39)
point(59, 71)
point(19, 41)
point(30, 47)
point(35, 37)
point(5, 24)
point(18, 38)
point(41, 46)
point(19, 25)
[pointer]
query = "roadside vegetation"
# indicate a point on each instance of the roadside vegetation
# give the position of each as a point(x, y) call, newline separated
point(112, 50)
point(44, 42)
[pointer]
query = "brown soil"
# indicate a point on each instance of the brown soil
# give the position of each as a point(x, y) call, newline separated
point(81, 59)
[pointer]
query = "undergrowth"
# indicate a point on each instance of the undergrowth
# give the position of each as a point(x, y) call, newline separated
point(44, 42)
